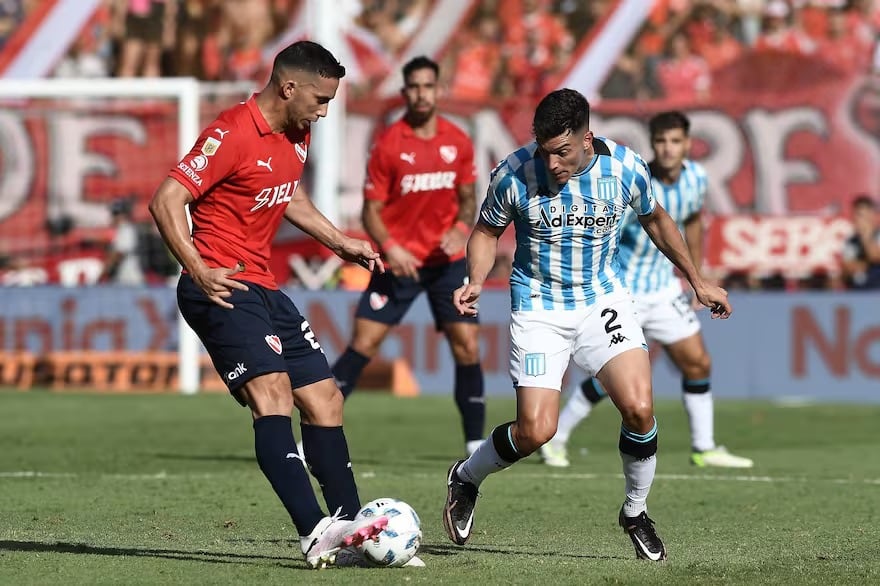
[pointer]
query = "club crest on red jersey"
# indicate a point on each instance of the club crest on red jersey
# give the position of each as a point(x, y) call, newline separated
point(448, 152)
point(274, 342)
point(378, 301)
point(302, 151)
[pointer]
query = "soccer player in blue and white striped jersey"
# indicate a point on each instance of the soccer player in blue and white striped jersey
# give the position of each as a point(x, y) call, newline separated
point(566, 194)
point(662, 308)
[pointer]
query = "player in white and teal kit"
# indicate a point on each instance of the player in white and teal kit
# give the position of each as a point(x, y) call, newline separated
point(663, 309)
point(567, 194)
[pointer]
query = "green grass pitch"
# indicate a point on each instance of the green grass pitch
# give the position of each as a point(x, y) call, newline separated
point(165, 490)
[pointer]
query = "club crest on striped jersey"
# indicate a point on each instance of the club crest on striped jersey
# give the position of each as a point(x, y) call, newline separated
point(606, 188)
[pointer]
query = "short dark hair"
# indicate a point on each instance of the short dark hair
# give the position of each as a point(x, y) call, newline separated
point(671, 120)
point(310, 57)
point(864, 200)
point(562, 111)
point(420, 62)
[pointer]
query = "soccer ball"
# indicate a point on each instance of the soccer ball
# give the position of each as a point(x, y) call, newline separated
point(399, 540)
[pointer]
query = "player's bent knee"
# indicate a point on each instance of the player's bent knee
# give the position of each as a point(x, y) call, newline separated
point(268, 394)
point(699, 367)
point(320, 403)
point(532, 434)
point(638, 416)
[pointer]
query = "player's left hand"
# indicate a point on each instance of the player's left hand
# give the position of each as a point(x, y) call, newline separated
point(466, 298)
point(360, 252)
point(715, 298)
point(453, 241)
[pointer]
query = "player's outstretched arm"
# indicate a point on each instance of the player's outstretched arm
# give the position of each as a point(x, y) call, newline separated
point(481, 249)
point(303, 214)
point(663, 231)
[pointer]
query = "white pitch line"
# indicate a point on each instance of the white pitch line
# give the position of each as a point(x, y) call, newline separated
point(370, 474)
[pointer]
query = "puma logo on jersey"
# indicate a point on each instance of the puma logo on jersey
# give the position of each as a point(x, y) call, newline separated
point(427, 181)
point(222, 133)
point(408, 157)
point(267, 164)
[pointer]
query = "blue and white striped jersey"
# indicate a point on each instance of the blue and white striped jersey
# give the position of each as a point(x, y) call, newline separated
point(647, 269)
point(566, 235)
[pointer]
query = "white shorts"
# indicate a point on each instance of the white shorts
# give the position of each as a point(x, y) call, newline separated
point(543, 341)
point(666, 316)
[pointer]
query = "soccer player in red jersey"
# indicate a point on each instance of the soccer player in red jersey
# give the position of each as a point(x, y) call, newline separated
point(419, 207)
point(240, 180)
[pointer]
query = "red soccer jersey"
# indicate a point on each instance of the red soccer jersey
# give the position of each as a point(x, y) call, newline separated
point(242, 176)
point(418, 179)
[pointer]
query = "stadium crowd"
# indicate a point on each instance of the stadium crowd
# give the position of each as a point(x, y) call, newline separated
point(505, 48)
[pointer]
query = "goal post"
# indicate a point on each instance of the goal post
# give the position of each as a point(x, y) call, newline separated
point(186, 93)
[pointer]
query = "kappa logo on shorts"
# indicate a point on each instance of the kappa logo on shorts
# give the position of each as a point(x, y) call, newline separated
point(535, 364)
point(378, 301)
point(617, 339)
point(274, 342)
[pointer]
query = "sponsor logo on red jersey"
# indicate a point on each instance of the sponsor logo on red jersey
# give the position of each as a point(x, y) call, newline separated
point(415, 182)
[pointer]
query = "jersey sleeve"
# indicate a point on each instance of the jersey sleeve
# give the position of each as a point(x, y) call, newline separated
point(641, 193)
point(213, 158)
point(377, 183)
point(500, 203)
point(467, 171)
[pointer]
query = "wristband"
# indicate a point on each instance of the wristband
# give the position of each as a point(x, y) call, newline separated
point(464, 228)
point(389, 243)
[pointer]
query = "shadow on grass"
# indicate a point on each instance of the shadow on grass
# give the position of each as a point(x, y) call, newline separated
point(171, 554)
point(446, 550)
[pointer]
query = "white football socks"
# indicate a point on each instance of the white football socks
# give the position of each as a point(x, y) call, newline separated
point(483, 462)
point(701, 417)
point(639, 475)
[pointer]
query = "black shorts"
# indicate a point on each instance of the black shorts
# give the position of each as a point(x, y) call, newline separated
point(387, 298)
point(148, 27)
point(263, 333)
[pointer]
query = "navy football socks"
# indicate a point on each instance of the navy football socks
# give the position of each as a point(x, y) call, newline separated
point(327, 456)
point(283, 466)
point(348, 369)
point(470, 401)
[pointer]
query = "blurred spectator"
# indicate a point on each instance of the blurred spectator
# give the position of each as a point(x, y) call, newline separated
point(11, 15)
point(722, 48)
point(861, 252)
point(91, 53)
point(475, 60)
point(779, 34)
point(144, 28)
point(683, 75)
point(123, 264)
point(840, 49)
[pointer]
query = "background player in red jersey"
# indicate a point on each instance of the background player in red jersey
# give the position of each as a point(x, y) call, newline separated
point(240, 180)
point(419, 206)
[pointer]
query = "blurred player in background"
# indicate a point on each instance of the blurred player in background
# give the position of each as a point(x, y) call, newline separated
point(662, 308)
point(419, 207)
point(861, 251)
point(241, 179)
point(566, 194)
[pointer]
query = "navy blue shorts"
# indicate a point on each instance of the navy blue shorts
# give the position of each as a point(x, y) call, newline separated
point(263, 333)
point(387, 297)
